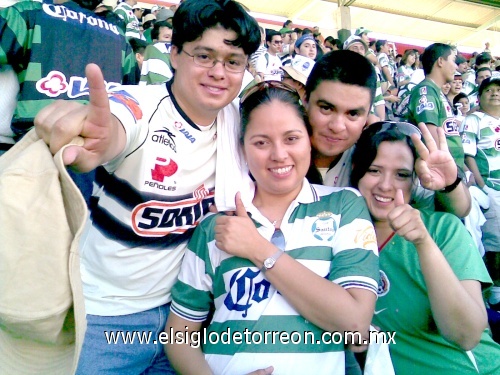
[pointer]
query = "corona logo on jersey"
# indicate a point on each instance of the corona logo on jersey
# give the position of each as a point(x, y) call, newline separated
point(325, 226)
point(158, 219)
point(245, 289)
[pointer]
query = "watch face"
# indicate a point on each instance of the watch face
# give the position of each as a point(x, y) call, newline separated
point(269, 262)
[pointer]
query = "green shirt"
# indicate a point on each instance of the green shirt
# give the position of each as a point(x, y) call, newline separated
point(403, 303)
point(429, 105)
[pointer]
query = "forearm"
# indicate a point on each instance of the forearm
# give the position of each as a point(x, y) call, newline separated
point(380, 111)
point(185, 359)
point(319, 300)
point(472, 165)
point(458, 312)
point(456, 202)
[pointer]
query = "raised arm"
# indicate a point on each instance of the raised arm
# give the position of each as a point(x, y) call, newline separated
point(457, 306)
point(437, 170)
point(104, 136)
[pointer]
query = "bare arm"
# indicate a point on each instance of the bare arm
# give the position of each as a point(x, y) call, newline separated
point(387, 75)
point(472, 165)
point(437, 169)
point(185, 359)
point(104, 136)
point(324, 303)
point(457, 306)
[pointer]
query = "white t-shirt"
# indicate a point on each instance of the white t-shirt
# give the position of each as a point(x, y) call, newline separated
point(270, 66)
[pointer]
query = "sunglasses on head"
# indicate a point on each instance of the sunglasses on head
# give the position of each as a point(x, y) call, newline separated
point(268, 85)
point(403, 127)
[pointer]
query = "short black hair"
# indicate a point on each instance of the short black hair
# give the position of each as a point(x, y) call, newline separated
point(487, 82)
point(155, 33)
point(483, 58)
point(194, 17)
point(432, 54)
point(138, 45)
point(345, 67)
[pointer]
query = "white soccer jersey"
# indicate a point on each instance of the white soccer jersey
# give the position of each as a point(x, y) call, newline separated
point(144, 212)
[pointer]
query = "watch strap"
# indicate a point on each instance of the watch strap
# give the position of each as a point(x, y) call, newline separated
point(453, 186)
point(270, 262)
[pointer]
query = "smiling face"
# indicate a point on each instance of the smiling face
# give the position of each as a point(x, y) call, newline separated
point(277, 149)
point(337, 113)
point(392, 169)
point(202, 92)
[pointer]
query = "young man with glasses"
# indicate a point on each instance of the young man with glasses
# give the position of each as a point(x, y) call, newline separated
point(268, 66)
point(159, 146)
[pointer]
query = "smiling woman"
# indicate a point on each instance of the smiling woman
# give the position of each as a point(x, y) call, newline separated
point(296, 260)
point(430, 269)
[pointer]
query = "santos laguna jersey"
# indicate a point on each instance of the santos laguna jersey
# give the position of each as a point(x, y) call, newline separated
point(147, 203)
point(429, 105)
point(326, 229)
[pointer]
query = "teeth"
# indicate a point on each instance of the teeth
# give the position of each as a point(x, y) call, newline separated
point(281, 170)
point(382, 199)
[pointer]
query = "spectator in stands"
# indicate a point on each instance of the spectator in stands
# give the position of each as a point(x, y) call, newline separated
point(481, 75)
point(268, 64)
point(481, 143)
point(383, 48)
point(431, 271)
point(289, 37)
point(138, 46)
point(230, 258)
point(138, 12)
point(405, 71)
point(455, 89)
point(260, 51)
point(147, 25)
point(429, 105)
point(370, 54)
point(125, 11)
point(330, 44)
point(288, 24)
point(377, 111)
point(483, 60)
point(156, 67)
point(105, 11)
point(461, 102)
point(159, 146)
point(306, 46)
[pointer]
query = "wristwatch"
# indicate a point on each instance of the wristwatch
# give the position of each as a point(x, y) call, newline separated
point(269, 262)
point(453, 186)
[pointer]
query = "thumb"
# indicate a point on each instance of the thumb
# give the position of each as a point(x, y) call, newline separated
point(240, 208)
point(399, 200)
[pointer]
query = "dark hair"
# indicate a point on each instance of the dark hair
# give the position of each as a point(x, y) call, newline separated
point(330, 39)
point(345, 67)
point(267, 95)
point(487, 82)
point(432, 54)
point(460, 95)
point(287, 22)
point(319, 51)
point(407, 54)
point(380, 43)
point(483, 58)
point(194, 17)
point(155, 33)
point(367, 147)
point(306, 31)
point(270, 34)
point(138, 45)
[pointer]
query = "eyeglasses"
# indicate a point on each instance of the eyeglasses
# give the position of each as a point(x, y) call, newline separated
point(403, 127)
point(278, 42)
point(268, 85)
point(205, 60)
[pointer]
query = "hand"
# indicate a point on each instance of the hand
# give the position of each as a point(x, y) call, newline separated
point(392, 99)
point(407, 222)
point(265, 371)
point(237, 235)
point(103, 135)
point(435, 166)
